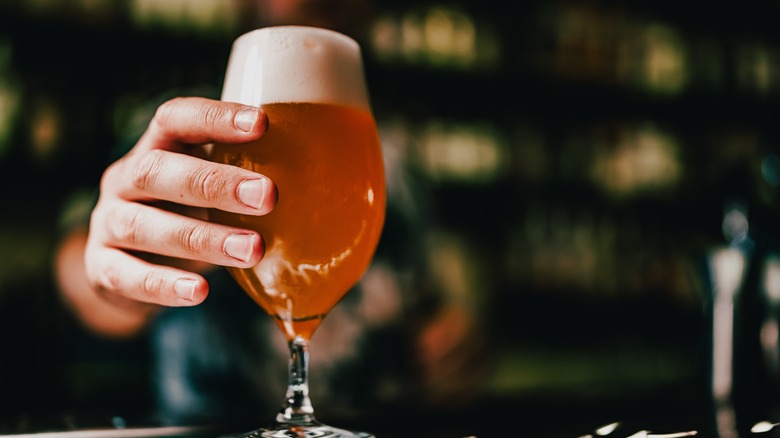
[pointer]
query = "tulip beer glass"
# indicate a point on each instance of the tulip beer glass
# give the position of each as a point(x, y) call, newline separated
point(323, 152)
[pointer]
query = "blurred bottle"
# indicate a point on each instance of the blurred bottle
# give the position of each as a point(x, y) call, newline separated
point(743, 311)
point(770, 329)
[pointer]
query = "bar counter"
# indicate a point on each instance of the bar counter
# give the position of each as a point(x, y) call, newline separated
point(664, 415)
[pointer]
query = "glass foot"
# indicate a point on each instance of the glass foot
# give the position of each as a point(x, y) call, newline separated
point(321, 431)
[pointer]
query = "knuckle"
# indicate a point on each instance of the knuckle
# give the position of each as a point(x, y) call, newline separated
point(97, 213)
point(208, 184)
point(165, 111)
point(152, 285)
point(105, 280)
point(108, 176)
point(126, 225)
point(214, 115)
point(194, 240)
point(145, 168)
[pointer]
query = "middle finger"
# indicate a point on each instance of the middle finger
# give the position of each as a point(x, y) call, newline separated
point(183, 179)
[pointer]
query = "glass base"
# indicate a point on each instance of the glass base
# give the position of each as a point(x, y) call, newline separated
point(290, 431)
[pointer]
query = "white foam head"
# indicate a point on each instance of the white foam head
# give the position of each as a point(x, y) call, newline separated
point(295, 64)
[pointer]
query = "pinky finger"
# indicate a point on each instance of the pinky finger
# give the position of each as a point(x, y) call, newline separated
point(128, 278)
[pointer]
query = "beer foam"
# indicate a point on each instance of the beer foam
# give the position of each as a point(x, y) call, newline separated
point(281, 64)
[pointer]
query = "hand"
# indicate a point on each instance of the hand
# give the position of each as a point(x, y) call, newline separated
point(148, 235)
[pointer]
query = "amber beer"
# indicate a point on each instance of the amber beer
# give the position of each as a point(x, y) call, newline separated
point(322, 151)
point(325, 160)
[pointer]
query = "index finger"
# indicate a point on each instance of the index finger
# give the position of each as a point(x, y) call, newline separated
point(197, 120)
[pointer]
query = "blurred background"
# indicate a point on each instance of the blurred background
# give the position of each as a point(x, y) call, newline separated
point(583, 164)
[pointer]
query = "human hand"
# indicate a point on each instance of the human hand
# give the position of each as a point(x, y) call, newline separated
point(149, 239)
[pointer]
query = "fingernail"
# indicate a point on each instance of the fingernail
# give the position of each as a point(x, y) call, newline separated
point(240, 246)
point(246, 118)
point(252, 192)
point(185, 288)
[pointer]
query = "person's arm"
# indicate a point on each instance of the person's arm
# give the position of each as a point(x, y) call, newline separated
point(148, 240)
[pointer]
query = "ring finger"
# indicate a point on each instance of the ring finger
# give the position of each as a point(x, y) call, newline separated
point(140, 227)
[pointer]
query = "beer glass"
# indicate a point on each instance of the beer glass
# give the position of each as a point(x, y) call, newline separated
point(323, 152)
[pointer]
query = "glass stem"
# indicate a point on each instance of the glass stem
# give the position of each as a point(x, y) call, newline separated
point(297, 409)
